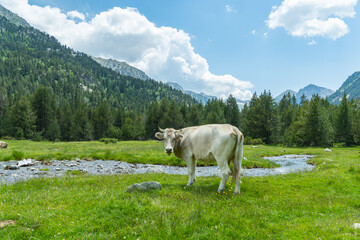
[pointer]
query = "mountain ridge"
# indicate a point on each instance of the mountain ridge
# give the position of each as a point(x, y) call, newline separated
point(122, 67)
point(308, 91)
point(351, 87)
point(13, 17)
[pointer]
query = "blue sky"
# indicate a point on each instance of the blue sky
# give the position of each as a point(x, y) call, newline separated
point(218, 47)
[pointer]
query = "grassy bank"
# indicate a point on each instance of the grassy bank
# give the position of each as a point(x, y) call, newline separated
point(129, 151)
point(323, 204)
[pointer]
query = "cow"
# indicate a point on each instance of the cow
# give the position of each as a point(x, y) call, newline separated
point(222, 143)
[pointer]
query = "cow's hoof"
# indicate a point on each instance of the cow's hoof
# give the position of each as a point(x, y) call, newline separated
point(236, 193)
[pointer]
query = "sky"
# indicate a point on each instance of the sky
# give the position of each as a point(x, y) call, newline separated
point(218, 47)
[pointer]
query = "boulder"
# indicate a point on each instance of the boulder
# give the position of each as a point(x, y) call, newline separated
point(356, 225)
point(3, 144)
point(254, 146)
point(327, 150)
point(155, 169)
point(14, 167)
point(145, 186)
point(25, 163)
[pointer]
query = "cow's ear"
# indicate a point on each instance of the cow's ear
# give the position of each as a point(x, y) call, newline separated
point(159, 135)
point(179, 136)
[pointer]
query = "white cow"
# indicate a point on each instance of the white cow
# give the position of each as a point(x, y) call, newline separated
point(222, 143)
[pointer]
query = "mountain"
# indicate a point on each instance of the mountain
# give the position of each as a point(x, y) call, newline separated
point(12, 17)
point(200, 97)
point(308, 91)
point(312, 89)
point(31, 58)
point(122, 67)
point(351, 87)
point(278, 98)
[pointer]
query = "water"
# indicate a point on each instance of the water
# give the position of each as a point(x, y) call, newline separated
point(288, 163)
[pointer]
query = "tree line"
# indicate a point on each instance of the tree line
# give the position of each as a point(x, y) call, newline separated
point(313, 122)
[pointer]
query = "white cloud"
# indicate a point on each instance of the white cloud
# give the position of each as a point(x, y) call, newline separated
point(229, 9)
point(312, 42)
point(164, 53)
point(307, 18)
point(76, 14)
point(253, 32)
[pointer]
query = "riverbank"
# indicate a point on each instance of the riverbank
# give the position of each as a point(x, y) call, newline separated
point(11, 172)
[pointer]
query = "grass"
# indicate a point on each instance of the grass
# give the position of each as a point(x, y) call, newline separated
point(322, 204)
point(130, 151)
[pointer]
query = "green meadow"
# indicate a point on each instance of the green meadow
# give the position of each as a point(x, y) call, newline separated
point(322, 204)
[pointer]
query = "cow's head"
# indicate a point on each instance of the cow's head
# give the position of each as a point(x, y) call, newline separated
point(170, 137)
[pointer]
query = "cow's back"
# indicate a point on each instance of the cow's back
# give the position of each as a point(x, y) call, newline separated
point(206, 141)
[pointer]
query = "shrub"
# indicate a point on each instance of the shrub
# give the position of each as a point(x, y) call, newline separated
point(108, 140)
point(18, 155)
point(7, 138)
point(37, 137)
point(251, 141)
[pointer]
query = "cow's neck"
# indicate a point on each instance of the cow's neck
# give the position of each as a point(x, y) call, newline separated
point(177, 149)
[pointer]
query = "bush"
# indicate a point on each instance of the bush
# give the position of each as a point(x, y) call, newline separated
point(18, 155)
point(7, 138)
point(250, 141)
point(108, 140)
point(37, 137)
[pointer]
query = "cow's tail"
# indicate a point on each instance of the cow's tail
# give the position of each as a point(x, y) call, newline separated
point(238, 156)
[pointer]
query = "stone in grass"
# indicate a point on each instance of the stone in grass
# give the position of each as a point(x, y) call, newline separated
point(327, 150)
point(145, 186)
point(7, 223)
point(155, 169)
point(11, 167)
point(356, 225)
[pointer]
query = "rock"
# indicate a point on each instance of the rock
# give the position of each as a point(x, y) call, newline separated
point(14, 167)
point(7, 223)
point(155, 169)
point(57, 169)
point(3, 144)
point(145, 186)
point(47, 163)
point(25, 163)
point(327, 150)
point(254, 146)
point(72, 165)
point(356, 226)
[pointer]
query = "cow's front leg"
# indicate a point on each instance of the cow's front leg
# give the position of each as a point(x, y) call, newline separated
point(191, 163)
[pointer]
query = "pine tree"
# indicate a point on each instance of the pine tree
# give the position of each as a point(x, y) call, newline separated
point(232, 113)
point(152, 120)
point(102, 120)
point(22, 119)
point(214, 112)
point(319, 131)
point(43, 106)
point(343, 123)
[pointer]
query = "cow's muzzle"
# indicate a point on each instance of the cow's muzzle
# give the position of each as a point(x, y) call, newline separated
point(168, 150)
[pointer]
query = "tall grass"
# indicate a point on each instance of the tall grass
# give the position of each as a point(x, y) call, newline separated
point(322, 204)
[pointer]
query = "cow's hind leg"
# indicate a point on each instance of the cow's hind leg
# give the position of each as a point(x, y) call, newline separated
point(237, 175)
point(191, 164)
point(225, 172)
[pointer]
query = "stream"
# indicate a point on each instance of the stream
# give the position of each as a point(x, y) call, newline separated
point(59, 168)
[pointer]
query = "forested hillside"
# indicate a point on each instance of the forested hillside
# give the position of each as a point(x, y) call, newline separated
point(37, 71)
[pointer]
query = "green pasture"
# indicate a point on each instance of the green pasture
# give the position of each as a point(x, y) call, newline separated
point(130, 151)
point(322, 204)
